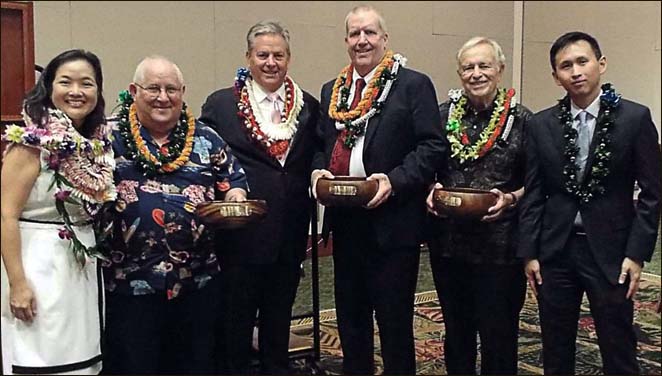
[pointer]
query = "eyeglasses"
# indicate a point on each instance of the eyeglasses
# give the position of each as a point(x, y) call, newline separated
point(155, 90)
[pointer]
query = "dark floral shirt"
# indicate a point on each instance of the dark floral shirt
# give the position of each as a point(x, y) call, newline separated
point(502, 168)
point(158, 246)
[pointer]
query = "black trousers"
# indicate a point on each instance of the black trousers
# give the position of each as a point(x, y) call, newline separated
point(370, 279)
point(151, 335)
point(268, 292)
point(565, 279)
point(479, 299)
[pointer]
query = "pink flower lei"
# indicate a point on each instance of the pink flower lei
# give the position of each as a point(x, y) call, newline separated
point(82, 168)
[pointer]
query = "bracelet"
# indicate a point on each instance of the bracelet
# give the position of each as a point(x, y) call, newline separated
point(514, 203)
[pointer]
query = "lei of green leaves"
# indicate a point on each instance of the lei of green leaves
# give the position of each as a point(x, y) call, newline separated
point(101, 228)
point(593, 185)
point(471, 152)
point(175, 146)
point(354, 131)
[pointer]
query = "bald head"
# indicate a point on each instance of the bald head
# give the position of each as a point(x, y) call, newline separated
point(156, 61)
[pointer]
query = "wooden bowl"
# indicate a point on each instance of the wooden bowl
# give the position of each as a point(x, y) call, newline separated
point(231, 215)
point(463, 202)
point(346, 191)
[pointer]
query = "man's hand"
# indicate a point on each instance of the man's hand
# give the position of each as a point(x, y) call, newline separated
point(383, 192)
point(503, 202)
point(235, 195)
point(533, 276)
point(428, 201)
point(630, 268)
point(314, 177)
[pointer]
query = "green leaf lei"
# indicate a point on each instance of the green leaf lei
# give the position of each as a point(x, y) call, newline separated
point(461, 148)
point(593, 185)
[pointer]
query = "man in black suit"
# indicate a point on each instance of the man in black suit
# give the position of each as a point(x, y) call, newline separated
point(392, 134)
point(579, 229)
point(269, 123)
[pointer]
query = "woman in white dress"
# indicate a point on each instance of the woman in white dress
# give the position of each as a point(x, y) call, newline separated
point(57, 172)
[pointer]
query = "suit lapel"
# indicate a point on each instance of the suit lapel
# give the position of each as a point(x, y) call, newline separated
point(303, 119)
point(252, 146)
point(373, 123)
point(555, 129)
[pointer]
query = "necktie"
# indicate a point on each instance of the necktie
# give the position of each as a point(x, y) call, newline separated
point(275, 111)
point(583, 142)
point(341, 154)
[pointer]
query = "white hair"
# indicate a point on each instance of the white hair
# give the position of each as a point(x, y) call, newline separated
point(475, 41)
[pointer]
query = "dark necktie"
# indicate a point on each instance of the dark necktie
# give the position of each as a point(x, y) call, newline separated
point(341, 154)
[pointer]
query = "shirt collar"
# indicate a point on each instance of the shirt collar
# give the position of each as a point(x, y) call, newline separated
point(366, 78)
point(261, 94)
point(593, 109)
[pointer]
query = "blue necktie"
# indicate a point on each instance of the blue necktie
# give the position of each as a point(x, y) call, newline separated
point(583, 142)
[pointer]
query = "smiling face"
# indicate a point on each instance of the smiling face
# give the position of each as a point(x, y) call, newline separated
point(158, 112)
point(268, 60)
point(578, 71)
point(75, 90)
point(480, 74)
point(366, 42)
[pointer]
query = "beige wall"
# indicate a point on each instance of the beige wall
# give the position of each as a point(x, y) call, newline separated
point(629, 36)
point(207, 39)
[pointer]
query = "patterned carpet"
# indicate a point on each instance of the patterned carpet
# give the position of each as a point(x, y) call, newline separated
point(429, 329)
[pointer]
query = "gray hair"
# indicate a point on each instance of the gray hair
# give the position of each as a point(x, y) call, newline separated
point(139, 75)
point(365, 8)
point(267, 27)
point(475, 41)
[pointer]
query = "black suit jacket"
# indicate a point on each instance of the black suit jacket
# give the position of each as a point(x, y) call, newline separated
point(614, 226)
point(285, 188)
point(404, 141)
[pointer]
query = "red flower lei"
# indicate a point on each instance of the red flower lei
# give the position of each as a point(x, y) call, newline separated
point(467, 151)
point(274, 147)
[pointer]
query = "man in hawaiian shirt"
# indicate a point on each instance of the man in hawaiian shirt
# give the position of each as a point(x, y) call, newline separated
point(160, 278)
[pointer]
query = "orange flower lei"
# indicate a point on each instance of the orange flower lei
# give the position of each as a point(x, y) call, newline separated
point(352, 122)
point(344, 80)
point(141, 146)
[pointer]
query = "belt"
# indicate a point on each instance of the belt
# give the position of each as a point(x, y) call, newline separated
point(76, 224)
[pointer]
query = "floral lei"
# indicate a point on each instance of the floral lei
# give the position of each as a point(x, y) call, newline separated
point(353, 122)
point(461, 147)
point(275, 138)
point(168, 158)
point(594, 184)
point(82, 171)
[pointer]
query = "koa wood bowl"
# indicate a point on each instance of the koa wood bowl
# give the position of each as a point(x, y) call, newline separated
point(231, 215)
point(347, 191)
point(463, 202)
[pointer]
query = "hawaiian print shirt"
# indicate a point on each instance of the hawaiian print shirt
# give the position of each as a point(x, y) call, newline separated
point(502, 168)
point(157, 243)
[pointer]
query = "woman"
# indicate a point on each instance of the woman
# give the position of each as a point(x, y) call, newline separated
point(56, 173)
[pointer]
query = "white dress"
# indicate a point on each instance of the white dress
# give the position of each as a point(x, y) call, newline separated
point(65, 335)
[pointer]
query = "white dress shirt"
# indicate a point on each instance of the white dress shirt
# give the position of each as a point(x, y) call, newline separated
point(265, 107)
point(356, 167)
